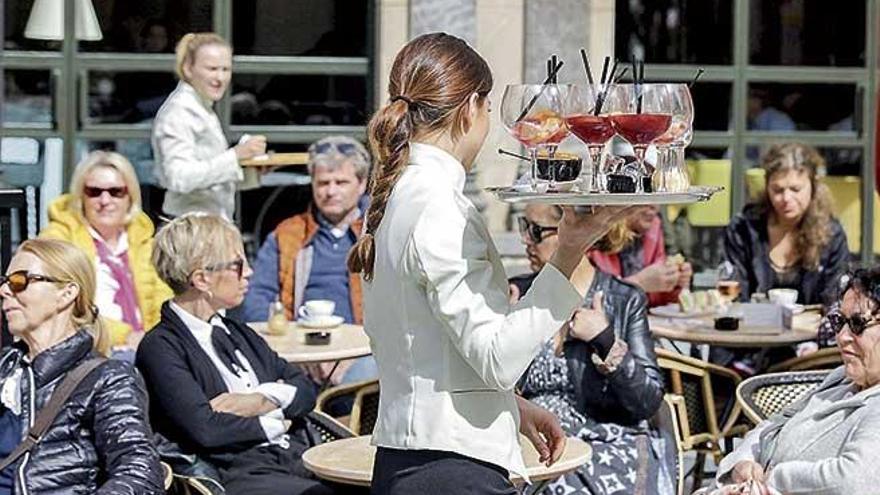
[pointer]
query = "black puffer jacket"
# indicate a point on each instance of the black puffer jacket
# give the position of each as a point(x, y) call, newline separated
point(100, 441)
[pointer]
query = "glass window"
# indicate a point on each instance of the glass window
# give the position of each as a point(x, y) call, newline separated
point(336, 28)
point(296, 99)
point(788, 107)
point(127, 97)
point(801, 32)
point(27, 97)
point(15, 18)
point(712, 106)
point(675, 31)
point(148, 26)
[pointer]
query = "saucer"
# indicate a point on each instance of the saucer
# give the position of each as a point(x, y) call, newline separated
point(323, 322)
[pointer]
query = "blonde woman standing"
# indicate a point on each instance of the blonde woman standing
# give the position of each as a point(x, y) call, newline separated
point(102, 216)
point(194, 161)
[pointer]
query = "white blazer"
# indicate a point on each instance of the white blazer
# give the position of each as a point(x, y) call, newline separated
point(193, 160)
point(449, 346)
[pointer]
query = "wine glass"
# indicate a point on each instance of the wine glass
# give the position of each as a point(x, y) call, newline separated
point(640, 114)
point(587, 118)
point(727, 282)
point(532, 114)
point(671, 173)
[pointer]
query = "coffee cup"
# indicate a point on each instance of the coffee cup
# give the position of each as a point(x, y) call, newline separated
point(562, 167)
point(783, 297)
point(316, 309)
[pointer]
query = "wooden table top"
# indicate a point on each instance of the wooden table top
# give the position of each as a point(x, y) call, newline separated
point(805, 327)
point(350, 460)
point(273, 159)
point(346, 342)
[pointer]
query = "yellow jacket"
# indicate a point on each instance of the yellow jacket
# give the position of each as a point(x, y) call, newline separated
point(66, 225)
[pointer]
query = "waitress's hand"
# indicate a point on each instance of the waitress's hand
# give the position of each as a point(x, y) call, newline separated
point(542, 429)
point(253, 146)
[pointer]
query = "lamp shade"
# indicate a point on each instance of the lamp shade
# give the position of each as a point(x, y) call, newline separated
point(46, 21)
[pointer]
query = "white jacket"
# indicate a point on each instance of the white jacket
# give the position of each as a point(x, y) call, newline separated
point(193, 160)
point(449, 346)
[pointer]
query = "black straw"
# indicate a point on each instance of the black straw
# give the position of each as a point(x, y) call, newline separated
point(696, 77)
point(621, 75)
point(586, 62)
point(515, 155)
point(641, 80)
point(534, 99)
point(553, 61)
point(604, 69)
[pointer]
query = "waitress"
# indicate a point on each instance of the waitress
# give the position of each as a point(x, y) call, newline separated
point(194, 162)
point(448, 345)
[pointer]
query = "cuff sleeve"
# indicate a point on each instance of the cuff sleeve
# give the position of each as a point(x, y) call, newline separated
point(282, 394)
point(601, 344)
point(273, 428)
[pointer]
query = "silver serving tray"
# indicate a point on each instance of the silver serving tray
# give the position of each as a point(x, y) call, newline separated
point(694, 194)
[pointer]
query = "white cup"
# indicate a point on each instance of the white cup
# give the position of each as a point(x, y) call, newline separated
point(317, 309)
point(783, 297)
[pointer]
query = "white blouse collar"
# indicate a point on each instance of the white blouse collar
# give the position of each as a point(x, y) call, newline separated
point(422, 154)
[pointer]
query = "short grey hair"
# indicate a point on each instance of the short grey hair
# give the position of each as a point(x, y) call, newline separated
point(333, 151)
point(191, 242)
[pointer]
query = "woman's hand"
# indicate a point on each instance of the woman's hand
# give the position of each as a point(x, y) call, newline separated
point(658, 277)
point(685, 273)
point(244, 405)
point(542, 429)
point(253, 146)
point(748, 471)
point(587, 323)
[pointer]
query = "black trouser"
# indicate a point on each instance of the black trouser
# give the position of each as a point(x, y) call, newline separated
point(271, 470)
point(432, 472)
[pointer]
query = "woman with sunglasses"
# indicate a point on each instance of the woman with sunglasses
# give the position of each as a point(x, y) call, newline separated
point(216, 388)
point(102, 216)
point(828, 442)
point(99, 441)
point(600, 376)
point(448, 345)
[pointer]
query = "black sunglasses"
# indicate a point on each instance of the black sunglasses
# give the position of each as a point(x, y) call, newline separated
point(533, 231)
point(237, 266)
point(116, 192)
point(857, 323)
point(20, 280)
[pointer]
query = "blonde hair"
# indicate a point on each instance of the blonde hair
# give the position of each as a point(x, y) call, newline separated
point(190, 242)
point(814, 230)
point(64, 261)
point(109, 159)
point(189, 46)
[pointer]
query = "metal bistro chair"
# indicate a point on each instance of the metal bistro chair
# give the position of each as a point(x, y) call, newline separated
point(699, 418)
point(365, 407)
point(666, 420)
point(765, 395)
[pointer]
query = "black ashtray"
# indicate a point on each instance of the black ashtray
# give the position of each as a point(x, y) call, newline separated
point(317, 338)
point(562, 167)
point(727, 323)
point(618, 183)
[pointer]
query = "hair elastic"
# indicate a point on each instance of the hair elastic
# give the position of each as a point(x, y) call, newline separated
point(402, 97)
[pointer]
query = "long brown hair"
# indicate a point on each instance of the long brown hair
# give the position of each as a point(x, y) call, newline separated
point(814, 230)
point(431, 80)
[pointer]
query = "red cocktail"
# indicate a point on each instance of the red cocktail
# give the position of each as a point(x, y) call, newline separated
point(641, 129)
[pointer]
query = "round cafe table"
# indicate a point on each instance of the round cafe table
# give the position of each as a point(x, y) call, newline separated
point(350, 460)
point(273, 159)
point(346, 342)
point(805, 327)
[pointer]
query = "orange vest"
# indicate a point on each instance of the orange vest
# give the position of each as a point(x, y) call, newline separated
point(294, 234)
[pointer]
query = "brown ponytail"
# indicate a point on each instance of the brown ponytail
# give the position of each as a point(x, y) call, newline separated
point(431, 80)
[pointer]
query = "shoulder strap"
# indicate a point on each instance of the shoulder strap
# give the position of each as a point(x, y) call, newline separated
point(50, 411)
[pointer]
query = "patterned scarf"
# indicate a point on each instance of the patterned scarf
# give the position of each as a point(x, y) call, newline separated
point(126, 296)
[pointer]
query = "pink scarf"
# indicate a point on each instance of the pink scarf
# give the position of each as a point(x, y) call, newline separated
point(126, 297)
